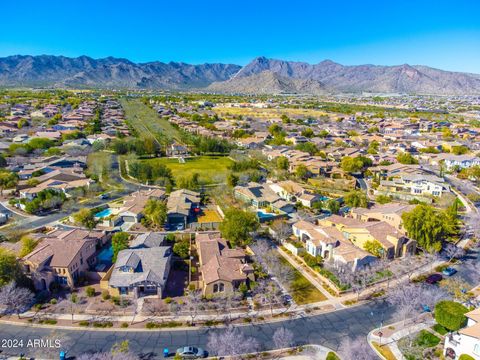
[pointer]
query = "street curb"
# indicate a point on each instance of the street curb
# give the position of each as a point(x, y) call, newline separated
point(182, 328)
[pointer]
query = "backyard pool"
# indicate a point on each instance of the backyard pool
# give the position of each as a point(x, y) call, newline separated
point(104, 213)
point(105, 256)
point(264, 216)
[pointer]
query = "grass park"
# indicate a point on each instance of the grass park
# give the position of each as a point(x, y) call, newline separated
point(211, 169)
point(146, 121)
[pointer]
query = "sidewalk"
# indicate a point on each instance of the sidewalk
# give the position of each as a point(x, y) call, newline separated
point(388, 337)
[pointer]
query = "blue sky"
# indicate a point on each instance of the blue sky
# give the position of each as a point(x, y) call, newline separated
point(443, 34)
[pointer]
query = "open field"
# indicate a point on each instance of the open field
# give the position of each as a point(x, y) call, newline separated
point(147, 122)
point(268, 113)
point(211, 169)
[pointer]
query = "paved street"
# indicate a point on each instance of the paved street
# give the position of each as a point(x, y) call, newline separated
point(326, 329)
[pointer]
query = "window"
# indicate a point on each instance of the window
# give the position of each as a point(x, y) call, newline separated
point(215, 288)
point(476, 349)
point(222, 287)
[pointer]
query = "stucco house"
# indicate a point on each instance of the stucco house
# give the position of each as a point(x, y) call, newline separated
point(140, 272)
point(466, 340)
point(223, 269)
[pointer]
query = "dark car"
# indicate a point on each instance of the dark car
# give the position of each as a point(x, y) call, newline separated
point(191, 352)
point(287, 300)
point(449, 271)
point(433, 279)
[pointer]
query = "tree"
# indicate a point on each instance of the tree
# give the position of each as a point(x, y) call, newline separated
point(427, 226)
point(155, 211)
point(193, 303)
point(182, 249)
point(457, 288)
point(450, 314)
point(452, 251)
point(283, 338)
point(232, 180)
point(383, 199)
point(86, 218)
point(374, 248)
point(308, 133)
point(282, 163)
point(302, 172)
point(8, 180)
point(333, 206)
point(351, 165)
point(9, 268)
point(281, 230)
point(356, 198)
point(406, 158)
point(231, 342)
point(28, 244)
point(238, 225)
point(15, 299)
point(410, 299)
point(119, 243)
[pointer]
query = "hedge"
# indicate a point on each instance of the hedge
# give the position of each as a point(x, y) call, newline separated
point(450, 314)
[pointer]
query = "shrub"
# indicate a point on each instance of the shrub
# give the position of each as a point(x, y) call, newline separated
point(105, 295)
point(450, 314)
point(102, 324)
point(332, 356)
point(426, 339)
point(84, 323)
point(53, 301)
point(47, 321)
point(440, 329)
point(465, 357)
point(90, 291)
point(168, 300)
point(124, 325)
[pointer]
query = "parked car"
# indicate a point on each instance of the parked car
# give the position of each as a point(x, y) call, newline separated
point(287, 299)
point(191, 352)
point(433, 279)
point(449, 271)
point(180, 227)
point(104, 196)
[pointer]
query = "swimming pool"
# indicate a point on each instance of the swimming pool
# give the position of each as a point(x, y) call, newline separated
point(104, 213)
point(105, 256)
point(265, 216)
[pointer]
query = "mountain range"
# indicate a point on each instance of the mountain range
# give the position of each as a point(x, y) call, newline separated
point(260, 76)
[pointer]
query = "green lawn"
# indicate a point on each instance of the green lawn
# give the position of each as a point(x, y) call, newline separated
point(212, 169)
point(146, 121)
point(302, 290)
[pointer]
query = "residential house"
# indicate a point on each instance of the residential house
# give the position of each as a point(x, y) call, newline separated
point(413, 186)
point(261, 196)
point(134, 204)
point(393, 243)
point(223, 269)
point(390, 213)
point(61, 257)
point(331, 245)
point(291, 191)
point(181, 206)
point(466, 340)
point(461, 161)
point(140, 272)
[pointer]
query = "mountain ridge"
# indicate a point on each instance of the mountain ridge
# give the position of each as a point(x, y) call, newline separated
point(262, 76)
